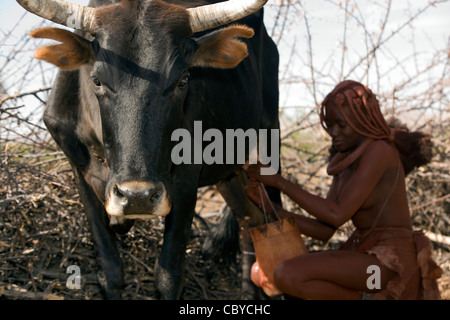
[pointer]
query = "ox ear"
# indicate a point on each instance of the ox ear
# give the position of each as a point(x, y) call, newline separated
point(222, 48)
point(72, 53)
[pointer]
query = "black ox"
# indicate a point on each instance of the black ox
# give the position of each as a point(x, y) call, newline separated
point(134, 72)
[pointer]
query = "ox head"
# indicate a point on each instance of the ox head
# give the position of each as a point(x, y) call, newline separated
point(138, 64)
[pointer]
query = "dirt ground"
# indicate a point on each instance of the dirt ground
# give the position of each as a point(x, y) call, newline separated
point(37, 244)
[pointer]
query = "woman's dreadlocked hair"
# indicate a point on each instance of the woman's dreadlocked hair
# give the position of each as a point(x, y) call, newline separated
point(414, 147)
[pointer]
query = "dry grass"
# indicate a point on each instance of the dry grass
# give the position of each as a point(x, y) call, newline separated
point(44, 230)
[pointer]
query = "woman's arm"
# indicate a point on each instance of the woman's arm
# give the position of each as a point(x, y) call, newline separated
point(372, 166)
point(323, 209)
point(307, 226)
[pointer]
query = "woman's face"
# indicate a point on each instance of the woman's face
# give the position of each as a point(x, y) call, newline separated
point(343, 137)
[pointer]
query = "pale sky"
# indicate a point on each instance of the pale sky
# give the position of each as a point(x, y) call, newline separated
point(430, 33)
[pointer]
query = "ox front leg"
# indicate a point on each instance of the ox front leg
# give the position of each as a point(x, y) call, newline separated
point(248, 215)
point(169, 268)
point(111, 276)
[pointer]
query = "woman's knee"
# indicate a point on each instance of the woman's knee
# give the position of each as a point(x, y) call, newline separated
point(278, 275)
point(290, 277)
point(284, 276)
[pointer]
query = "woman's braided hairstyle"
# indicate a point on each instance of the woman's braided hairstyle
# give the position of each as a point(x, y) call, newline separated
point(414, 147)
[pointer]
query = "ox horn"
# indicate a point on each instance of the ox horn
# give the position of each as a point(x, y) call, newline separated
point(68, 14)
point(214, 15)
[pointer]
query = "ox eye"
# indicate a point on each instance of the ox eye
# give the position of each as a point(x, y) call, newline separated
point(183, 81)
point(96, 81)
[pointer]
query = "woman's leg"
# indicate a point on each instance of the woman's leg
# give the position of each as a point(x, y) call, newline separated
point(328, 275)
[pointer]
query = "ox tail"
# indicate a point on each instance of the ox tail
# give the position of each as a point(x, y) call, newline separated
point(222, 242)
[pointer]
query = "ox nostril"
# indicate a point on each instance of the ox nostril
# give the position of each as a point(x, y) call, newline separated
point(152, 193)
point(120, 195)
point(155, 195)
point(138, 198)
point(117, 192)
point(137, 195)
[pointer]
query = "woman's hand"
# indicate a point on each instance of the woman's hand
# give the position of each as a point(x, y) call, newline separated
point(254, 173)
point(258, 196)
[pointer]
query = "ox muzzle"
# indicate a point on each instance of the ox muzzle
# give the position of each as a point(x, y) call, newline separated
point(138, 200)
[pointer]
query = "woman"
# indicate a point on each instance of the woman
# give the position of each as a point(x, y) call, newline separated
point(368, 163)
